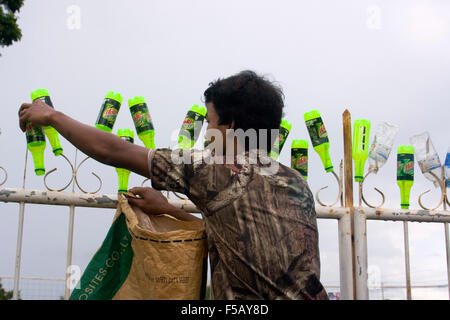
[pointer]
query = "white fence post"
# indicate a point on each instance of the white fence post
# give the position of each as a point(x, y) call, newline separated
point(69, 250)
point(407, 263)
point(345, 257)
point(18, 251)
point(362, 291)
point(20, 234)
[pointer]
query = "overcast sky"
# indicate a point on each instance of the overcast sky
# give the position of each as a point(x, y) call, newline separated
point(382, 60)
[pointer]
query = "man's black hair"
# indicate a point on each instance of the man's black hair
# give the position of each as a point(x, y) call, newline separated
point(252, 101)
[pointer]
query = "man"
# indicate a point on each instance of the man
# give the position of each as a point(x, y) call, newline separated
point(259, 215)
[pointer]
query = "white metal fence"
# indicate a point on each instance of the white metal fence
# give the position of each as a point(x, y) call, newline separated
point(341, 214)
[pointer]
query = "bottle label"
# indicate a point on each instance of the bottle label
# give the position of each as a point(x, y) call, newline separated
point(299, 160)
point(429, 164)
point(280, 140)
point(379, 152)
point(378, 155)
point(364, 141)
point(317, 131)
point(447, 160)
point(108, 113)
point(141, 118)
point(405, 166)
point(34, 133)
point(46, 100)
point(192, 125)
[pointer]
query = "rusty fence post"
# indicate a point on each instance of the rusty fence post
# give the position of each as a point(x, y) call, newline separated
point(348, 186)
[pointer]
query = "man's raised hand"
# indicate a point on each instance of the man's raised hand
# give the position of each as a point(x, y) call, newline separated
point(37, 112)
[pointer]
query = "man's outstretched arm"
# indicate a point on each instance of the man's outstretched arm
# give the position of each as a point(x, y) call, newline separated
point(101, 146)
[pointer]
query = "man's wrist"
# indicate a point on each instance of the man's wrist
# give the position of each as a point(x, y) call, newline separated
point(53, 118)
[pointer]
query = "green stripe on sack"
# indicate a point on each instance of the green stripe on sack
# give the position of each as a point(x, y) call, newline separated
point(109, 267)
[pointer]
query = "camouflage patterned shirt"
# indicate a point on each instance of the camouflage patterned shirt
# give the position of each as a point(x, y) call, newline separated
point(261, 225)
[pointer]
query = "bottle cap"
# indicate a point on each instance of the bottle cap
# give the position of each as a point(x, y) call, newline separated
point(39, 93)
point(286, 124)
point(126, 133)
point(198, 109)
point(114, 96)
point(405, 149)
point(299, 144)
point(311, 115)
point(136, 100)
point(39, 172)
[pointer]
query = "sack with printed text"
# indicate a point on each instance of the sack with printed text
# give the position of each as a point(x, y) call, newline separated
point(147, 257)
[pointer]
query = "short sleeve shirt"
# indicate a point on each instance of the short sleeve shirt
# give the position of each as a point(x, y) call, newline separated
point(260, 222)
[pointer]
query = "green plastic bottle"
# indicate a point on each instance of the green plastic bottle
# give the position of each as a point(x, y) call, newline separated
point(191, 127)
point(285, 128)
point(319, 137)
point(360, 146)
point(124, 174)
point(405, 173)
point(36, 144)
point(142, 121)
point(108, 111)
point(49, 131)
point(299, 157)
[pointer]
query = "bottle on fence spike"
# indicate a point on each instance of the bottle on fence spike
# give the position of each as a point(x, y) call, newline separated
point(49, 131)
point(36, 144)
point(124, 174)
point(285, 128)
point(382, 144)
point(299, 157)
point(191, 127)
point(405, 173)
point(108, 111)
point(360, 147)
point(142, 121)
point(319, 137)
point(427, 157)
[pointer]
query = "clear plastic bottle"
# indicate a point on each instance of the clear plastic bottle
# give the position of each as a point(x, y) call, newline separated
point(427, 157)
point(382, 145)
